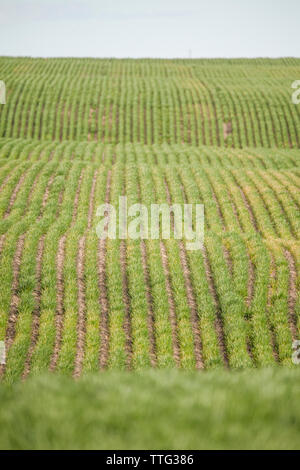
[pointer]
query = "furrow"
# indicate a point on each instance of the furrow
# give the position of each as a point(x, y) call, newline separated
point(103, 298)
point(81, 323)
point(14, 304)
point(172, 309)
point(151, 316)
point(126, 302)
point(218, 321)
point(228, 259)
point(189, 289)
point(272, 281)
point(59, 300)
point(192, 305)
point(249, 299)
point(80, 269)
point(36, 313)
point(251, 281)
point(59, 316)
point(292, 294)
point(249, 208)
point(14, 195)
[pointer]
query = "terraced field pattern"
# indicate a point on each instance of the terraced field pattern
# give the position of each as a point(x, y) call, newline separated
point(76, 133)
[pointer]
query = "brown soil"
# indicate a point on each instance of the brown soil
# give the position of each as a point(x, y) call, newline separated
point(235, 211)
point(221, 216)
point(273, 276)
point(14, 304)
point(126, 302)
point(46, 196)
point(103, 297)
point(81, 323)
point(151, 317)
point(251, 280)
point(14, 195)
point(5, 181)
point(227, 129)
point(228, 259)
point(250, 295)
point(36, 313)
point(192, 306)
point(218, 321)
point(189, 290)
point(292, 295)
point(249, 208)
point(171, 303)
point(59, 316)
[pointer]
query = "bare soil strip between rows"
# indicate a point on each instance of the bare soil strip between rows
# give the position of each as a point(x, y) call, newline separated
point(5, 181)
point(189, 289)
point(235, 211)
point(273, 277)
point(251, 282)
point(192, 306)
point(219, 321)
point(228, 260)
point(126, 302)
point(151, 316)
point(59, 316)
point(220, 213)
point(247, 205)
point(149, 298)
point(14, 195)
point(126, 299)
point(172, 309)
point(37, 291)
point(59, 300)
point(81, 323)
point(36, 313)
point(292, 294)
point(81, 328)
point(14, 304)
point(249, 299)
point(2, 240)
point(103, 296)
point(46, 196)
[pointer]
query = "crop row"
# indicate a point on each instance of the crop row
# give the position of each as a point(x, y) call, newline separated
point(93, 152)
point(231, 104)
point(73, 303)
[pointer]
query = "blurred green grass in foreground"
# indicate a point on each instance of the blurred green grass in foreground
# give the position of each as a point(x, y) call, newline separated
point(154, 410)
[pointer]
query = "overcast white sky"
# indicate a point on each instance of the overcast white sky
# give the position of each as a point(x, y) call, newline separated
point(152, 28)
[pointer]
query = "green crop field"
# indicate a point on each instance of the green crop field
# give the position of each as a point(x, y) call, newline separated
point(77, 133)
